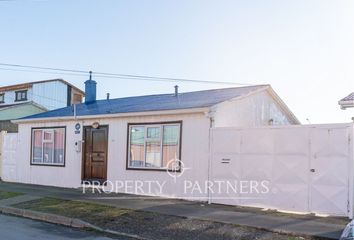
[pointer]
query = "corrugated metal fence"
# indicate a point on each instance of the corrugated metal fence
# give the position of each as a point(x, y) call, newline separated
point(306, 168)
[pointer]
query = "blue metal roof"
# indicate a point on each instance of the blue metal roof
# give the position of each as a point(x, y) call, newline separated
point(160, 102)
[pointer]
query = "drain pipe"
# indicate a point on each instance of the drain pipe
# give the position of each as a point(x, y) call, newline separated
point(75, 111)
point(211, 125)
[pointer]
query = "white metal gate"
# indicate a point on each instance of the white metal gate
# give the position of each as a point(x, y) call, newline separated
point(329, 163)
point(309, 168)
point(1, 154)
point(8, 156)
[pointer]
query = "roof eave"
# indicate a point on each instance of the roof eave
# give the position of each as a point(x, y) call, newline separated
point(115, 115)
point(346, 104)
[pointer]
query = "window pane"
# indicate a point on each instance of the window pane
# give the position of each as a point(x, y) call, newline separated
point(153, 132)
point(59, 146)
point(48, 152)
point(153, 154)
point(170, 144)
point(37, 146)
point(48, 135)
point(137, 139)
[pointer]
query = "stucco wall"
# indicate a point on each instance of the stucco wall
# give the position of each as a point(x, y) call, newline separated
point(195, 140)
point(252, 111)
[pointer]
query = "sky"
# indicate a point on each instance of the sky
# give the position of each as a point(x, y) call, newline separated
point(303, 48)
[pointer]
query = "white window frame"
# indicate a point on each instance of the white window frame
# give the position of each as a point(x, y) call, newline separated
point(146, 139)
point(51, 140)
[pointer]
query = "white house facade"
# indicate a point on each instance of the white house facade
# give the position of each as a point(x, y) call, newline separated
point(163, 138)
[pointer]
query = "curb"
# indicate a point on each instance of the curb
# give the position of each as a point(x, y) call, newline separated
point(61, 220)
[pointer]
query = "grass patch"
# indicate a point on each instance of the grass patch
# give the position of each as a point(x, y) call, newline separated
point(6, 195)
point(90, 212)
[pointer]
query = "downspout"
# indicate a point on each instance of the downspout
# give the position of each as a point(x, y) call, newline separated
point(210, 135)
point(75, 111)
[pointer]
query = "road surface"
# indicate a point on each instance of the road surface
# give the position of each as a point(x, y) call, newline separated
point(14, 228)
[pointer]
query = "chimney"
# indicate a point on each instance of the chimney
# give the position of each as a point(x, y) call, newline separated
point(90, 90)
point(176, 91)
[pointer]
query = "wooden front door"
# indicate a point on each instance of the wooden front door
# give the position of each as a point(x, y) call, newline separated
point(95, 154)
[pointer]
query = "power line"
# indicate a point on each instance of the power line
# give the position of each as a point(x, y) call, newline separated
point(23, 70)
point(117, 75)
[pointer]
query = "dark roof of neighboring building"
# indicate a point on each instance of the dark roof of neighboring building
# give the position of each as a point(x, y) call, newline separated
point(350, 97)
point(29, 84)
point(188, 100)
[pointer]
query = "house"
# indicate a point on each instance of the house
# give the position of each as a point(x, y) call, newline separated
point(20, 100)
point(156, 137)
point(347, 102)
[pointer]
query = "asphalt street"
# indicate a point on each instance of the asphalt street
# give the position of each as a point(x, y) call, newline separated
point(14, 228)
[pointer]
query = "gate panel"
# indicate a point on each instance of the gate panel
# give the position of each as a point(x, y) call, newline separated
point(1, 141)
point(256, 163)
point(290, 171)
point(226, 164)
point(8, 151)
point(329, 171)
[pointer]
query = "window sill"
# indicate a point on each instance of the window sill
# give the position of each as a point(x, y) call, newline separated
point(47, 165)
point(151, 169)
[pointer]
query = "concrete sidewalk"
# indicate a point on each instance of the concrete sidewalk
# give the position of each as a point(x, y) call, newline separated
point(287, 223)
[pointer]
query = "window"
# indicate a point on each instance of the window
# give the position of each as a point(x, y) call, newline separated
point(21, 95)
point(154, 146)
point(48, 146)
point(2, 97)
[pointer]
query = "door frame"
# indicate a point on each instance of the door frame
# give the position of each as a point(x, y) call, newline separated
point(84, 148)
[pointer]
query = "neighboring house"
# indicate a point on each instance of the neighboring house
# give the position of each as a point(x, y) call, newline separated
point(20, 100)
point(132, 138)
point(14, 111)
point(347, 102)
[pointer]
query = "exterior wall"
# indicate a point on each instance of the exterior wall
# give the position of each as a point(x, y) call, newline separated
point(76, 96)
point(10, 96)
point(51, 95)
point(194, 154)
point(251, 111)
point(19, 111)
